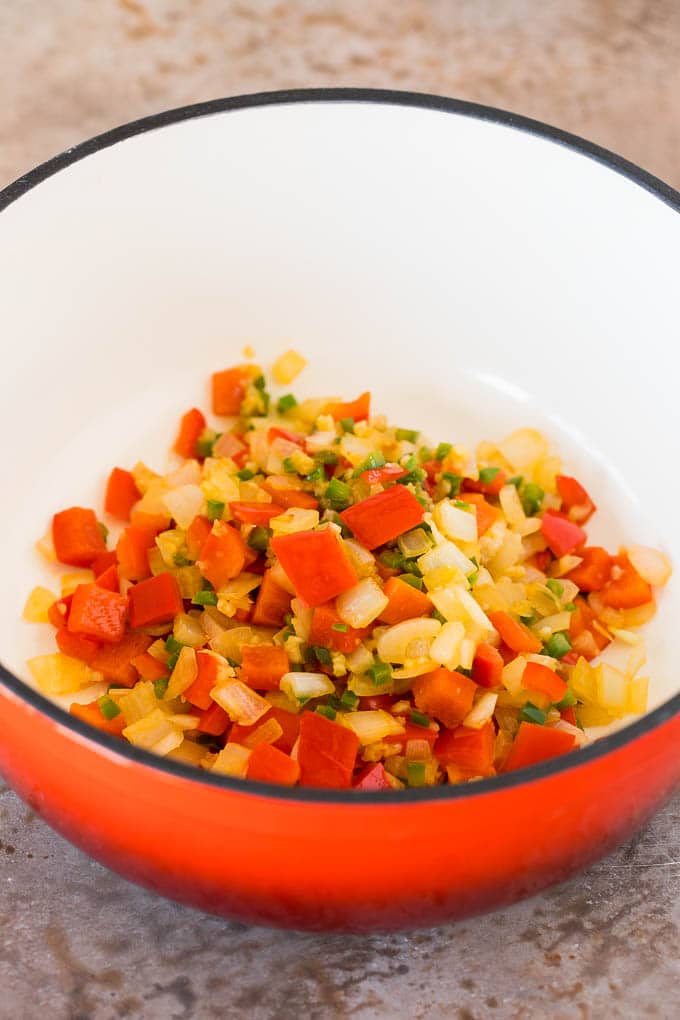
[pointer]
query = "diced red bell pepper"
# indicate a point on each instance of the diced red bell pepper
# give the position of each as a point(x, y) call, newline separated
point(197, 535)
point(491, 488)
point(255, 513)
point(190, 428)
point(593, 572)
point(487, 666)
point(561, 534)
point(272, 603)
point(214, 721)
point(382, 517)
point(76, 645)
point(326, 752)
point(97, 613)
point(206, 680)
point(576, 502)
point(445, 694)
point(405, 602)
point(156, 600)
point(153, 522)
point(316, 564)
point(324, 619)
point(586, 639)
point(486, 514)
point(542, 560)
point(77, 537)
point(383, 475)
point(132, 551)
point(115, 661)
point(92, 714)
point(287, 498)
point(229, 388)
point(223, 555)
point(468, 749)
point(515, 635)
point(269, 765)
point(627, 590)
point(150, 668)
point(358, 409)
point(568, 714)
point(288, 721)
point(537, 677)
point(109, 579)
point(121, 494)
point(373, 702)
point(103, 562)
point(262, 666)
point(373, 777)
point(534, 744)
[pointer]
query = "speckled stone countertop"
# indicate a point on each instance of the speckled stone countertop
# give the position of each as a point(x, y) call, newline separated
point(78, 943)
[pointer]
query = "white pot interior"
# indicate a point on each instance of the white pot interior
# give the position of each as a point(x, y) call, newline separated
point(474, 276)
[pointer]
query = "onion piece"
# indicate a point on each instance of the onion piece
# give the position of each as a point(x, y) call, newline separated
point(371, 726)
point(653, 566)
point(481, 711)
point(184, 503)
point(306, 685)
point(362, 604)
point(183, 675)
point(241, 703)
point(393, 643)
point(232, 760)
point(455, 522)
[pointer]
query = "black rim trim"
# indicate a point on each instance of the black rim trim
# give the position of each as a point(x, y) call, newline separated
point(127, 752)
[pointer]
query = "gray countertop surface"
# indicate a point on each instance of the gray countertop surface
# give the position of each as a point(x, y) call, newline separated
point(79, 943)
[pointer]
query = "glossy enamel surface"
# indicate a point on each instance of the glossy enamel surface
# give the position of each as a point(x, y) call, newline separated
point(476, 276)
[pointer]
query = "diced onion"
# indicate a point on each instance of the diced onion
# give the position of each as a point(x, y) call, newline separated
point(523, 448)
point(241, 703)
point(653, 566)
point(60, 674)
point(445, 649)
point(552, 624)
point(231, 761)
point(306, 685)
point(455, 522)
point(612, 688)
point(578, 735)
point(183, 675)
point(267, 733)
point(155, 732)
point(418, 750)
point(69, 582)
point(185, 503)
point(361, 559)
point(446, 555)
point(362, 604)
point(481, 711)
point(414, 543)
point(189, 473)
point(511, 505)
point(37, 604)
point(393, 643)
point(288, 367)
point(371, 726)
point(187, 630)
point(360, 659)
point(293, 520)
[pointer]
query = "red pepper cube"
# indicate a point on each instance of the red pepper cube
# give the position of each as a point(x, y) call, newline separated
point(487, 666)
point(254, 513)
point(468, 749)
point(223, 555)
point(562, 535)
point(213, 721)
point(322, 632)
point(77, 537)
point(316, 564)
point(373, 777)
point(269, 765)
point(537, 677)
point(382, 517)
point(97, 613)
point(534, 744)
point(326, 752)
point(115, 661)
point(263, 666)
point(190, 428)
point(576, 502)
point(156, 600)
point(121, 494)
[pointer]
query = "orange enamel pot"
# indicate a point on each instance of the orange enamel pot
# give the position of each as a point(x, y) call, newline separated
point(477, 271)
point(311, 859)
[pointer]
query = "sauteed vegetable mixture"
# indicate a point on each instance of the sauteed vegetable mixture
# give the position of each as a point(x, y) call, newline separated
point(315, 596)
